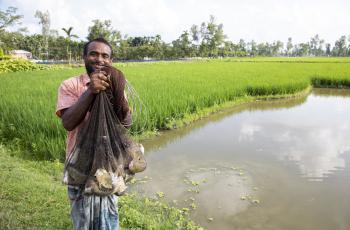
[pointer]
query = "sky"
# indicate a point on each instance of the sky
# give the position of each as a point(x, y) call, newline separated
point(259, 20)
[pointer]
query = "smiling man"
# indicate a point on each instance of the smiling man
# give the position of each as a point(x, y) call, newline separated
point(75, 96)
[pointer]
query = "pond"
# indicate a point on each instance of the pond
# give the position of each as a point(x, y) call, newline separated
point(279, 164)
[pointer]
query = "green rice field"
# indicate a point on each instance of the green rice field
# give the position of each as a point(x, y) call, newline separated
point(170, 92)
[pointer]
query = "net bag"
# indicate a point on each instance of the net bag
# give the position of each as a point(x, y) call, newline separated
point(103, 153)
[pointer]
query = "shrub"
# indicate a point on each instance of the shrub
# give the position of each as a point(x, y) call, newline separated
point(14, 65)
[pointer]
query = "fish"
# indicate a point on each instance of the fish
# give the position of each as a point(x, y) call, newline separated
point(105, 183)
point(136, 161)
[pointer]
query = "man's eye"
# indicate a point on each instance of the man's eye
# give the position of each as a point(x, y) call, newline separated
point(105, 56)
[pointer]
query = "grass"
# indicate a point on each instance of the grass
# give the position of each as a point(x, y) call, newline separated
point(171, 91)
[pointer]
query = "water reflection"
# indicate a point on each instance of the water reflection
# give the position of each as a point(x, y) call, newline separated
point(317, 151)
point(281, 146)
point(248, 131)
point(167, 137)
point(314, 136)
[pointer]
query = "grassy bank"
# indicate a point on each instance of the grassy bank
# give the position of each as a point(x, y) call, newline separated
point(32, 197)
point(173, 93)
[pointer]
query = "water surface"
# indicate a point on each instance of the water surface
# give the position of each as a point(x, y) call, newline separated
point(264, 165)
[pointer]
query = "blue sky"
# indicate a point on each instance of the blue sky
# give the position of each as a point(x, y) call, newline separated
point(261, 20)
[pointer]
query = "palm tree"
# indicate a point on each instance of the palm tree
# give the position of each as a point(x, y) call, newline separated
point(69, 37)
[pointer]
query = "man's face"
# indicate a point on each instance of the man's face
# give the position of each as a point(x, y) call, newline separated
point(98, 55)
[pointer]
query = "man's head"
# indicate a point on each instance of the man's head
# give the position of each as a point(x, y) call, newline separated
point(97, 54)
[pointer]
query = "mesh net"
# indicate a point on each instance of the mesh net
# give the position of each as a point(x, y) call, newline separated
point(103, 150)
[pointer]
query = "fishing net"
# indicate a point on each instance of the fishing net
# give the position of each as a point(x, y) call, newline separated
point(104, 154)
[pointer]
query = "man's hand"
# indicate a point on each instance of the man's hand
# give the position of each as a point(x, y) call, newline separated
point(99, 80)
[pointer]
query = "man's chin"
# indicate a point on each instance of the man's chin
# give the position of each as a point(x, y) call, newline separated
point(90, 69)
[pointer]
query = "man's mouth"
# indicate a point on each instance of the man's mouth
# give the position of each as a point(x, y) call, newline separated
point(98, 66)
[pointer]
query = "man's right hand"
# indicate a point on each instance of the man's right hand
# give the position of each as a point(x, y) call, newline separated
point(98, 81)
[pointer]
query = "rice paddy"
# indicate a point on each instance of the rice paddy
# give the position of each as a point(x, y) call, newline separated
point(170, 91)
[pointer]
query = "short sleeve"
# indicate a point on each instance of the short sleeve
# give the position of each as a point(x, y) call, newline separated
point(66, 97)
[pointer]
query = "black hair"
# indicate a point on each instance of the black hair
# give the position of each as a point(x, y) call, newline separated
point(101, 40)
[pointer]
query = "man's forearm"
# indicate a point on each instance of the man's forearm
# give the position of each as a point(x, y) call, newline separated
point(75, 114)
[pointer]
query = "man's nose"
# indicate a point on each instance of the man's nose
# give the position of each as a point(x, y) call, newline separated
point(99, 58)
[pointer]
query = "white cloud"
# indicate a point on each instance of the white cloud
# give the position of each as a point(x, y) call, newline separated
point(248, 131)
point(252, 19)
point(317, 152)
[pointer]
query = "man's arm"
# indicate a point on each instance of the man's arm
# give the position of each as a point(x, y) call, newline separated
point(74, 115)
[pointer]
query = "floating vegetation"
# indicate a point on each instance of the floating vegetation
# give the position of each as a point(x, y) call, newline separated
point(143, 180)
point(193, 206)
point(195, 183)
point(250, 198)
point(160, 194)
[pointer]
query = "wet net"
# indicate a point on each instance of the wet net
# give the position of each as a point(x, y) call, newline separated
point(103, 153)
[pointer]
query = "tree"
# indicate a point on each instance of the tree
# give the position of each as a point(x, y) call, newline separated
point(228, 50)
point(289, 47)
point(328, 49)
point(340, 48)
point(104, 29)
point(302, 49)
point(68, 39)
point(316, 46)
point(195, 33)
point(182, 45)
point(214, 36)
point(210, 36)
point(349, 45)
point(242, 45)
point(45, 22)
point(9, 18)
point(276, 48)
point(252, 48)
point(158, 46)
point(264, 49)
point(11, 40)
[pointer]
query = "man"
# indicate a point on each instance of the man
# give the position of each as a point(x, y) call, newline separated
point(75, 96)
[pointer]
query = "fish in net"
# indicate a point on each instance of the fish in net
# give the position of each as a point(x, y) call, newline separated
point(104, 155)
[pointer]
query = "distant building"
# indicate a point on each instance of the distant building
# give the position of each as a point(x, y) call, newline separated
point(21, 54)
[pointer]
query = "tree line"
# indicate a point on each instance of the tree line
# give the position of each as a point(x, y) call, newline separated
point(204, 40)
